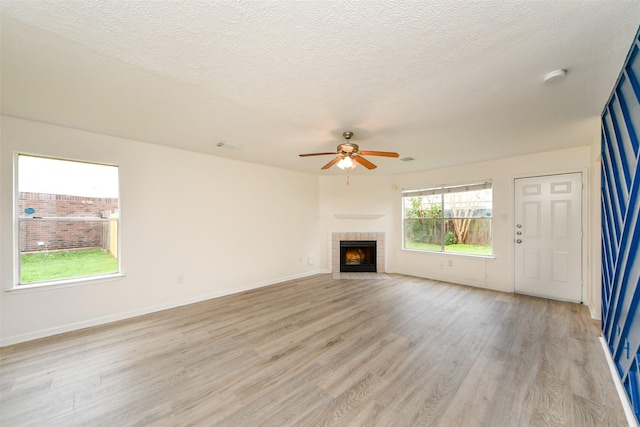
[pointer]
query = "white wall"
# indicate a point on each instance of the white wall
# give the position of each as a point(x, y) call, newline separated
point(382, 194)
point(224, 225)
point(595, 226)
point(365, 195)
point(495, 273)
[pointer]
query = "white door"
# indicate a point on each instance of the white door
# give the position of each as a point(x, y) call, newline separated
point(548, 236)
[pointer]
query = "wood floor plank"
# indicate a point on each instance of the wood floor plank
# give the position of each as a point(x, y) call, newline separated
point(402, 351)
point(373, 358)
point(438, 391)
point(551, 397)
point(588, 382)
point(479, 388)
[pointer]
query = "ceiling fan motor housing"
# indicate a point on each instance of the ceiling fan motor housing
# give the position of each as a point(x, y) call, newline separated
point(347, 148)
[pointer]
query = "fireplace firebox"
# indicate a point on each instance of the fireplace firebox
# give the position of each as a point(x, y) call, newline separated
point(358, 256)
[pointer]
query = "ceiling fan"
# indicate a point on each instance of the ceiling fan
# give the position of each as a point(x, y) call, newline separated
point(349, 155)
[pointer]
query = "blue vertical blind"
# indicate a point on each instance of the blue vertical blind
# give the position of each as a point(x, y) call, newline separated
point(620, 231)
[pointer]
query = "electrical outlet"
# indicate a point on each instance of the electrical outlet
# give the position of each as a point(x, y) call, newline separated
point(180, 279)
point(311, 260)
point(450, 263)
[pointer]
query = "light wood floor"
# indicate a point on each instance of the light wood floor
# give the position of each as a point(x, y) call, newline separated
point(397, 352)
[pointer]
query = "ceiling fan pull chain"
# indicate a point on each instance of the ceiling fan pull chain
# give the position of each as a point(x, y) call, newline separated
point(348, 175)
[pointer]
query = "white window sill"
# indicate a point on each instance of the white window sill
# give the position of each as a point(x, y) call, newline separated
point(66, 283)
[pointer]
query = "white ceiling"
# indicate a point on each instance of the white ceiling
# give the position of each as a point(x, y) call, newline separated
point(445, 82)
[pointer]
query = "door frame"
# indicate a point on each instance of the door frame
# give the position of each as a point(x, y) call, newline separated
point(585, 289)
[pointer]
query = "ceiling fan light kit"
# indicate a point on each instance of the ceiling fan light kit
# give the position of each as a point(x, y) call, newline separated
point(346, 162)
point(349, 155)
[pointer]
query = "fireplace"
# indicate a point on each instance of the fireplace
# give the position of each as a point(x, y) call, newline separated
point(357, 237)
point(358, 256)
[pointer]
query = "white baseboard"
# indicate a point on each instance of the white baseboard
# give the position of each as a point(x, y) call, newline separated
point(476, 284)
point(628, 411)
point(43, 333)
point(595, 312)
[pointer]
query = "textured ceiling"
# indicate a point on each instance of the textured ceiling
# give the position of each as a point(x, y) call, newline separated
point(444, 82)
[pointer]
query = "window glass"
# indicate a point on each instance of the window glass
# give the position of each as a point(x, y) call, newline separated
point(423, 222)
point(454, 219)
point(68, 219)
point(468, 224)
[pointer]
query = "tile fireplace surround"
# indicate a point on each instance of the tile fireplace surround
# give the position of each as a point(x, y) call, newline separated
point(335, 249)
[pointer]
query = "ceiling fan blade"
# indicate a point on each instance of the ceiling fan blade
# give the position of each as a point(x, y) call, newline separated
point(380, 153)
point(332, 162)
point(364, 162)
point(316, 154)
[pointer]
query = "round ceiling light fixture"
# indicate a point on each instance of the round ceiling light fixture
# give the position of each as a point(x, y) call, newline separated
point(554, 76)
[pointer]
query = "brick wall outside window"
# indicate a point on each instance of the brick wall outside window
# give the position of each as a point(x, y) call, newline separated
point(64, 235)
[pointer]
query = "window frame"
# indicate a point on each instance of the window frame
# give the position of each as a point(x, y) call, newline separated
point(442, 190)
point(19, 220)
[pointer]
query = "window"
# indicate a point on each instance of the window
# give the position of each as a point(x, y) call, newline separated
point(454, 219)
point(67, 220)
